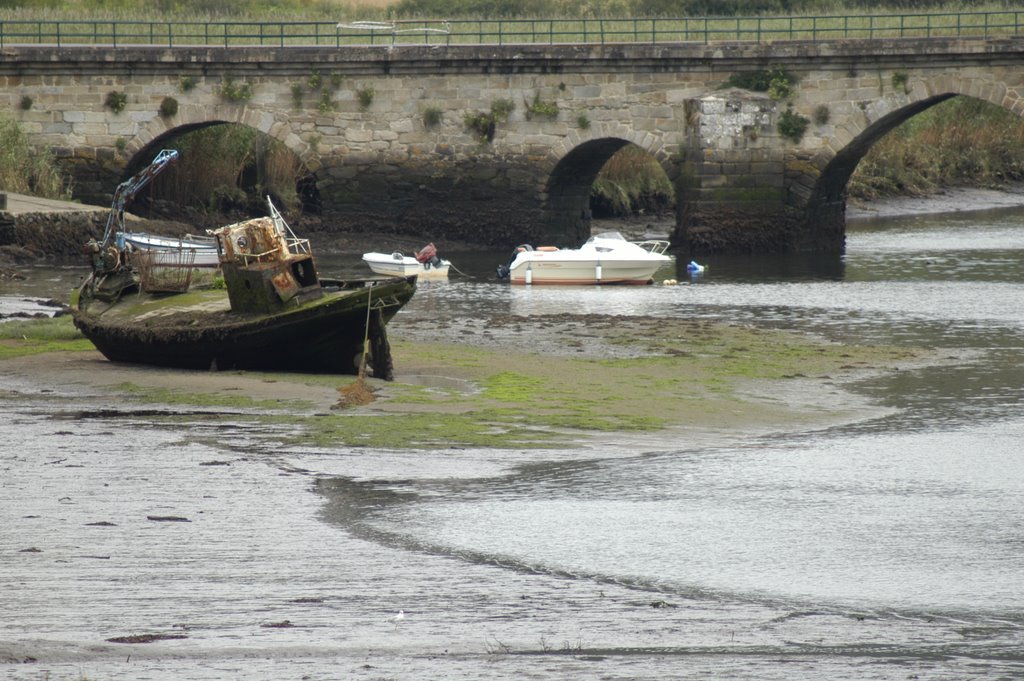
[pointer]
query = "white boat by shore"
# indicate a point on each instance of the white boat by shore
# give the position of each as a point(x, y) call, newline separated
point(606, 258)
point(425, 264)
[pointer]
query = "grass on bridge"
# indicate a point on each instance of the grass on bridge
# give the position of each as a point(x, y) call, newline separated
point(227, 33)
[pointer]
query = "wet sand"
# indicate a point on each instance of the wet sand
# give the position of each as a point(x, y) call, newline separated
point(186, 527)
point(176, 541)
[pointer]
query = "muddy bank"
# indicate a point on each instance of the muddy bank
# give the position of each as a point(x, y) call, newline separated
point(39, 230)
point(59, 237)
point(949, 200)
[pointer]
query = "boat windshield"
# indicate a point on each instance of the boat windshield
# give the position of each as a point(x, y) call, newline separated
point(608, 236)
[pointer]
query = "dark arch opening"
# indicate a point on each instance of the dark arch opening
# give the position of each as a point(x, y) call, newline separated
point(569, 208)
point(222, 174)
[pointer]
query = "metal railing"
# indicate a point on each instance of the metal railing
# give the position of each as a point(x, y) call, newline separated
point(512, 31)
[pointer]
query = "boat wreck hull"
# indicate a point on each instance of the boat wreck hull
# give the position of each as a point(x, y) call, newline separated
point(201, 332)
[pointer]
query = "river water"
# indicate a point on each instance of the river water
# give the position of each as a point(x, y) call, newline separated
point(889, 548)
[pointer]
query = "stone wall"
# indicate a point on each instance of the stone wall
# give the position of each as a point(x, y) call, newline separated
point(57, 236)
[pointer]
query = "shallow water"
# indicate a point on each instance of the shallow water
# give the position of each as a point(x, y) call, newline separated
point(890, 548)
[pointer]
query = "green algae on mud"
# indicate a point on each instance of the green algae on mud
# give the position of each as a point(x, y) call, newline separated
point(675, 374)
point(578, 378)
point(36, 336)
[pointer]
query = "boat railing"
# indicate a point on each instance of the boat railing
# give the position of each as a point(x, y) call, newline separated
point(298, 246)
point(249, 258)
point(656, 246)
point(293, 246)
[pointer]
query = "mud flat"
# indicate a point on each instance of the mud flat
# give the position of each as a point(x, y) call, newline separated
point(175, 524)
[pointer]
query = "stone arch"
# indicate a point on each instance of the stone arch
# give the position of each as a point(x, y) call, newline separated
point(154, 133)
point(821, 185)
point(196, 116)
point(573, 167)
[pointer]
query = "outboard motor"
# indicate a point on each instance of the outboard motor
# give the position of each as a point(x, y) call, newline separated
point(504, 271)
point(427, 256)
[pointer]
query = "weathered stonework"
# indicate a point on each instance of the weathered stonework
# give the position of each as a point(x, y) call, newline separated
point(741, 185)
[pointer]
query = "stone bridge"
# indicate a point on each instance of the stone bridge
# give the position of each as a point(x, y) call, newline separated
point(405, 138)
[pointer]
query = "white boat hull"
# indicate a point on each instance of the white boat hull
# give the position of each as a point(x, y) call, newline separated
point(544, 270)
point(604, 259)
point(397, 265)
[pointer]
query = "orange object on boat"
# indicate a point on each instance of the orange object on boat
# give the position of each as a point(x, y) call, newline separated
point(427, 253)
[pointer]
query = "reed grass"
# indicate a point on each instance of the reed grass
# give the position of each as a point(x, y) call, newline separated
point(960, 142)
point(631, 182)
point(224, 168)
point(28, 169)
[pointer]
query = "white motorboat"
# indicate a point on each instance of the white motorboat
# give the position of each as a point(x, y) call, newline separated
point(606, 258)
point(425, 264)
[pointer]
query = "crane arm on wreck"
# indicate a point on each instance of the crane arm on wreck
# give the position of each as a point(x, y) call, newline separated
point(127, 190)
point(108, 263)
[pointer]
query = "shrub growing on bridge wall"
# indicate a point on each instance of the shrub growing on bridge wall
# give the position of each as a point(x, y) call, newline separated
point(325, 104)
point(432, 116)
point(116, 101)
point(484, 124)
point(365, 97)
point(774, 80)
point(169, 107)
point(900, 82)
point(235, 92)
point(538, 107)
point(298, 91)
point(792, 125)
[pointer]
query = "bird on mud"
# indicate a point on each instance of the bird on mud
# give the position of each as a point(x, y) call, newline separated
point(398, 618)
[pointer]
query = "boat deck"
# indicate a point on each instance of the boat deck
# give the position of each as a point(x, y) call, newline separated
point(152, 308)
point(196, 307)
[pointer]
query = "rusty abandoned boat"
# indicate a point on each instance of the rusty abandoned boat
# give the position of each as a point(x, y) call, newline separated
point(273, 313)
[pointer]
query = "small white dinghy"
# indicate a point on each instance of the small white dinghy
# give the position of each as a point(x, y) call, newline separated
point(605, 258)
point(425, 264)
